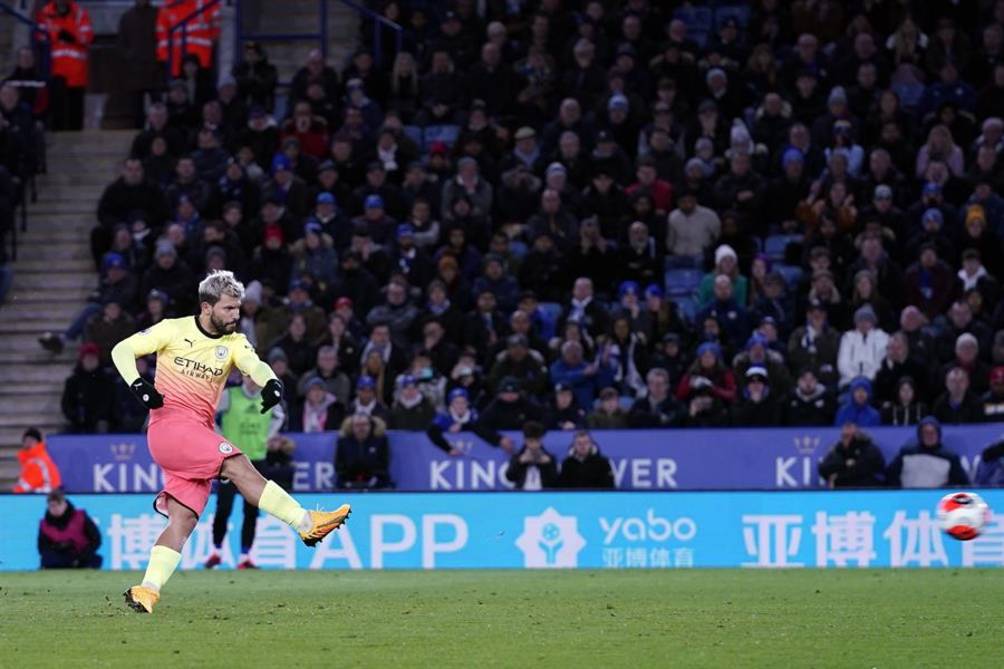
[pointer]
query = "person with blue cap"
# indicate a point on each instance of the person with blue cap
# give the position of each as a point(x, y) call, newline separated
point(460, 416)
point(117, 285)
point(368, 399)
point(287, 188)
point(409, 259)
point(315, 256)
point(757, 353)
point(411, 409)
point(710, 367)
point(380, 227)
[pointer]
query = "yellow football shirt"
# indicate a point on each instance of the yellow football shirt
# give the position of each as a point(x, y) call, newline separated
point(192, 365)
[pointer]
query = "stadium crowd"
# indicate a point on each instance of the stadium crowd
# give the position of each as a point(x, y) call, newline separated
point(584, 214)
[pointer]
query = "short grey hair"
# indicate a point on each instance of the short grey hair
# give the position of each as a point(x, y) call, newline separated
point(218, 283)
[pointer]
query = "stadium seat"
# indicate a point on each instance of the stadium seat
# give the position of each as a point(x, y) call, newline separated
point(741, 13)
point(550, 312)
point(446, 134)
point(698, 20)
point(414, 133)
point(775, 245)
point(687, 307)
point(682, 282)
point(792, 274)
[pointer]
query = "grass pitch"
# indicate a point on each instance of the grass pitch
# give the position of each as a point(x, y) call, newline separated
point(686, 618)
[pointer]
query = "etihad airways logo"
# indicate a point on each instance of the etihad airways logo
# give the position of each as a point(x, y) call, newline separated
point(195, 368)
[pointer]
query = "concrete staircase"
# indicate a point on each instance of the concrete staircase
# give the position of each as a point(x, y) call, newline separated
point(53, 275)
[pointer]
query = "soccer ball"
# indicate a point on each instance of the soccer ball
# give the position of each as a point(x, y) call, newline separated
point(962, 515)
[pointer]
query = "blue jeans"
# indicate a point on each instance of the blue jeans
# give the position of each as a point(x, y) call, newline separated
point(80, 321)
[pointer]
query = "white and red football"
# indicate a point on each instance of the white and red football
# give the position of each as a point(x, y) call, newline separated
point(962, 515)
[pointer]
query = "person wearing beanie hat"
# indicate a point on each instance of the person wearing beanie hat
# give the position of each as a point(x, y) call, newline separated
point(38, 473)
point(461, 416)
point(709, 368)
point(862, 349)
point(88, 394)
point(727, 263)
point(757, 405)
point(926, 463)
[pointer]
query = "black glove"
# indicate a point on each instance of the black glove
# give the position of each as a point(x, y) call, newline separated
point(271, 394)
point(67, 36)
point(147, 393)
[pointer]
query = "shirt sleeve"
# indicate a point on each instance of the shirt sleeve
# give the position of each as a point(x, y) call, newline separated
point(151, 340)
point(249, 363)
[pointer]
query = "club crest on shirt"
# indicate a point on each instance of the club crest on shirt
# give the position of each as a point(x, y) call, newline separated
point(221, 352)
point(226, 448)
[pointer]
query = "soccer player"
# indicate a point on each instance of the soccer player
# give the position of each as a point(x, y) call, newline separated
point(194, 357)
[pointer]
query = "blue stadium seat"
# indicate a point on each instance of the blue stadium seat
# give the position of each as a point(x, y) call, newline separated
point(687, 307)
point(551, 312)
point(792, 274)
point(699, 22)
point(442, 133)
point(776, 244)
point(414, 133)
point(741, 13)
point(682, 282)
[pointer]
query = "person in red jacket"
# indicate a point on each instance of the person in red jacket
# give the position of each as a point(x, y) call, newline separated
point(68, 28)
point(39, 473)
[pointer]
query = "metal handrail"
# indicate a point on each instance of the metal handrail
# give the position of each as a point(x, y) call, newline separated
point(42, 54)
point(379, 23)
point(184, 35)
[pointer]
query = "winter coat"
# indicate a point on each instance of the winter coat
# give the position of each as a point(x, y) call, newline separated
point(366, 463)
point(814, 409)
point(862, 415)
point(748, 413)
point(138, 45)
point(970, 410)
point(415, 418)
point(88, 399)
point(861, 355)
point(500, 415)
point(598, 420)
point(819, 353)
point(592, 472)
point(918, 466)
point(517, 471)
point(857, 465)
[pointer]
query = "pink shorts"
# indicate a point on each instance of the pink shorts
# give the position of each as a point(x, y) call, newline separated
point(190, 454)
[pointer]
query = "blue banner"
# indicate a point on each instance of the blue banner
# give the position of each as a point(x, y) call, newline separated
point(542, 530)
point(724, 459)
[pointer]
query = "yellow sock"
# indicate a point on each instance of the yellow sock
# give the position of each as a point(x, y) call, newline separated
point(277, 502)
point(163, 562)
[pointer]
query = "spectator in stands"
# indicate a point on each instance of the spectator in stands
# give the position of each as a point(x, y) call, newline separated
point(256, 77)
point(585, 466)
point(108, 328)
point(957, 404)
point(563, 411)
point(67, 27)
point(88, 393)
point(657, 408)
point(726, 309)
point(328, 370)
point(122, 200)
point(709, 365)
point(857, 408)
point(520, 363)
point(863, 348)
point(533, 467)
point(854, 461)
point(759, 354)
point(926, 464)
point(510, 409)
point(67, 536)
point(810, 403)
point(608, 414)
point(362, 456)
point(756, 406)
point(460, 416)
point(585, 379)
point(990, 471)
point(411, 409)
point(138, 45)
point(904, 408)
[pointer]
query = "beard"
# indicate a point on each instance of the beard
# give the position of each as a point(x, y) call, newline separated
point(221, 326)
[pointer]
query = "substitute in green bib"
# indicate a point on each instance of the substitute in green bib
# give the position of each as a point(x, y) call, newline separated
point(243, 424)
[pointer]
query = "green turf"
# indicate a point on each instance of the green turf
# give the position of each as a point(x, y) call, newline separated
point(901, 618)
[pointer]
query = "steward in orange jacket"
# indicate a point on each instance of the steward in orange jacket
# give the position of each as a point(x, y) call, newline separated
point(69, 29)
point(199, 34)
point(39, 473)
